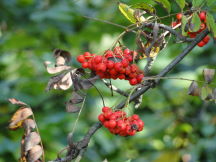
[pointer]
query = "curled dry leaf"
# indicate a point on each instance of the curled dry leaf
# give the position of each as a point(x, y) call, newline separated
point(207, 93)
point(54, 70)
point(16, 102)
point(31, 140)
point(71, 104)
point(61, 57)
point(209, 75)
point(19, 116)
point(194, 90)
point(29, 124)
point(35, 153)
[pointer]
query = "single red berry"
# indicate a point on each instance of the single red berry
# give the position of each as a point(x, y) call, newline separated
point(106, 124)
point(121, 76)
point(206, 39)
point(201, 44)
point(126, 51)
point(202, 26)
point(139, 77)
point(101, 118)
point(101, 67)
point(202, 16)
point(125, 63)
point(106, 109)
point(108, 53)
point(107, 114)
point(85, 64)
point(87, 55)
point(80, 58)
point(110, 64)
point(135, 116)
point(174, 24)
point(179, 16)
point(118, 66)
point(112, 124)
point(113, 72)
point(133, 81)
point(98, 59)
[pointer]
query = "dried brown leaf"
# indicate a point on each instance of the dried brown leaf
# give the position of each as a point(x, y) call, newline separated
point(72, 108)
point(35, 153)
point(207, 93)
point(54, 70)
point(88, 83)
point(76, 98)
point(29, 125)
point(31, 140)
point(194, 89)
point(17, 102)
point(209, 75)
point(62, 57)
point(19, 116)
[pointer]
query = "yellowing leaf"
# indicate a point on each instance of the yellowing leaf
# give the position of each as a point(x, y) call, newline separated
point(19, 116)
point(154, 51)
point(129, 13)
point(144, 6)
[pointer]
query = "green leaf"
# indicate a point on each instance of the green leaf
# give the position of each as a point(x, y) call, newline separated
point(210, 3)
point(144, 6)
point(211, 24)
point(127, 12)
point(181, 3)
point(183, 24)
point(195, 23)
point(165, 4)
point(197, 3)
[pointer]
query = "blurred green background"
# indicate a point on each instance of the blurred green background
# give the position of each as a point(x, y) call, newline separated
point(178, 127)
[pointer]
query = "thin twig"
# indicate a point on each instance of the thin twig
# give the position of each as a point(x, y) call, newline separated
point(115, 88)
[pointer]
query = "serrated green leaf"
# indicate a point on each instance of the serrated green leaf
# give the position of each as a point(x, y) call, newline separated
point(211, 24)
point(127, 12)
point(144, 6)
point(195, 23)
point(165, 4)
point(197, 3)
point(181, 3)
point(183, 24)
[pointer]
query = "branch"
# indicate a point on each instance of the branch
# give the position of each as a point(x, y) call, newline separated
point(81, 145)
point(171, 30)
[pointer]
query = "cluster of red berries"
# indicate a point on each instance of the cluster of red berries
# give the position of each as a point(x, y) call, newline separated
point(202, 16)
point(116, 64)
point(119, 124)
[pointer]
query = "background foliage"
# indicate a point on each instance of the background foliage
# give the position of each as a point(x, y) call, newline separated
point(177, 126)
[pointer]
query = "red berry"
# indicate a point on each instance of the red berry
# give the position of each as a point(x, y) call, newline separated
point(81, 58)
point(125, 63)
point(121, 76)
point(85, 64)
point(98, 59)
point(135, 116)
point(179, 16)
point(202, 26)
point(118, 66)
point(101, 118)
point(101, 67)
point(106, 109)
point(108, 53)
point(126, 51)
point(201, 44)
point(202, 16)
point(206, 39)
point(87, 55)
point(174, 24)
point(110, 64)
point(133, 81)
point(107, 114)
point(139, 77)
point(112, 124)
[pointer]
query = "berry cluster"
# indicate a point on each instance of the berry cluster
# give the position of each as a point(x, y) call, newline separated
point(119, 124)
point(202, 16)
point(116, 64)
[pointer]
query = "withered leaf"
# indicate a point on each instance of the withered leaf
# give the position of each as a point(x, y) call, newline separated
point(19, 116)
point(29, 124)
point(88, 83)
point(62, 57)
point(194, 90)
point(35, 153)
point(31, 140)
point(209, 75)
point(71, 104)
point(16, 102)
point(54, 70)
point(76, 98)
